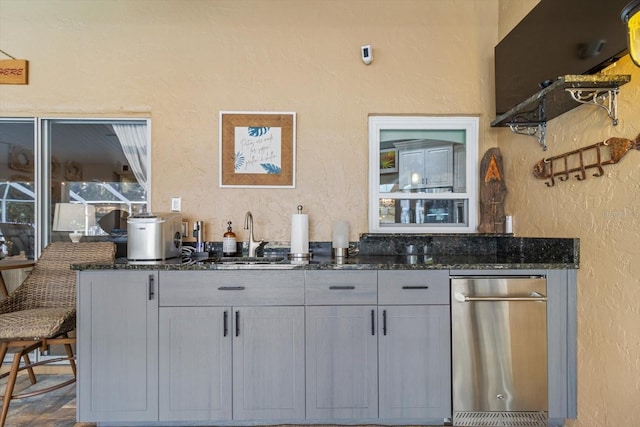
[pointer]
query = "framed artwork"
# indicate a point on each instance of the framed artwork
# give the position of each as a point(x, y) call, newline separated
point(389, 160)
point(257, 149)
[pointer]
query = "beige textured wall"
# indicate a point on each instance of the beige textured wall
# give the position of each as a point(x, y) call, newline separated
point(182, 61)
point(605, 214)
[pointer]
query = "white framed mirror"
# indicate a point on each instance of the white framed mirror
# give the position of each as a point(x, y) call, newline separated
point(423, 174)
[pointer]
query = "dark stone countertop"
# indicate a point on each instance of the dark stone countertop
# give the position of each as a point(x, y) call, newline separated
point(389, 252)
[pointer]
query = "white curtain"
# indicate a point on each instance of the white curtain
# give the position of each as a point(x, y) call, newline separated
point(134, 142)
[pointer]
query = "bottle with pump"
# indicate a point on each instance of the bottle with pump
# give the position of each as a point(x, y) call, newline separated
point(229, 245)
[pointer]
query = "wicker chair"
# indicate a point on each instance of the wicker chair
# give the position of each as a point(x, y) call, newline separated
point(42, 311)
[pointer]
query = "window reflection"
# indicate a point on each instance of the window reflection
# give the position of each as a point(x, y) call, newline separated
point(405, 212)
point(96, 171)
point(423, 165)
point(17, 192)
point(101, 163)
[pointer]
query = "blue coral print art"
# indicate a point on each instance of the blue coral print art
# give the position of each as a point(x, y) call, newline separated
point(258, 150)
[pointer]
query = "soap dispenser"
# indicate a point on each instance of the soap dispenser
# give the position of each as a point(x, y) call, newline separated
point(229, 245)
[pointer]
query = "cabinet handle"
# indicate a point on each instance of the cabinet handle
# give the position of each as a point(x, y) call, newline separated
point(373, 322)
point(225, 323)
point(238, 323)
point(231, 288)
point(384, 322)
point(151, 287)
point(341, 288)
point(415, 287)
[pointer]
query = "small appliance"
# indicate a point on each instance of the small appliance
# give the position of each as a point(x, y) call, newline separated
point(154, 237)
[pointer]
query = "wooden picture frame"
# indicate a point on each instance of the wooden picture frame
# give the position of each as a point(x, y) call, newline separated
point(257, 149)
point(389, 160)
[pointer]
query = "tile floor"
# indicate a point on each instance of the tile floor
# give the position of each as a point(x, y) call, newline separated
point(54, 409)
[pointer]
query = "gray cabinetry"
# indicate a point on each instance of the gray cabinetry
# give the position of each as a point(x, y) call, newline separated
point(414, 345)
point(268, 363)
point(388, 360)
point(117, 346)
point(251, 347)
point(195, 359)
point(232, 313)
point(341, 344)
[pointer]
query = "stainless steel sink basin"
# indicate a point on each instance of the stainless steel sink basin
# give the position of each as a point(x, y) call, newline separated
point(250, 260)
point(250, 266)
point(237, 263)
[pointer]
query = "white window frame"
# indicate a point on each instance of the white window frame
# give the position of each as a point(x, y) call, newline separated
point(469, 125)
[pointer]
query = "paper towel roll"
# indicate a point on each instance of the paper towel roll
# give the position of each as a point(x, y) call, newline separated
point(299, 234)
point(508, 224)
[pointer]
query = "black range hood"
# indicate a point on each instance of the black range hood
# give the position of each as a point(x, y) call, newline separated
point(557, 38)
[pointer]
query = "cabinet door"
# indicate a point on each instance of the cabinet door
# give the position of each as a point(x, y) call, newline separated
point(268, 363)
point(459, 169)
point(426, 167)
point(411, 169)
point(438, 166)
point(415, 362)
point(117, 346)
point(195, 363)
point(342, 362)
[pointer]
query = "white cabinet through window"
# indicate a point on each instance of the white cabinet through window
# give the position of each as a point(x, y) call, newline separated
point(425, 164)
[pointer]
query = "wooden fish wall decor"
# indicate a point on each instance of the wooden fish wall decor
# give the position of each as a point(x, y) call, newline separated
point(591, 157)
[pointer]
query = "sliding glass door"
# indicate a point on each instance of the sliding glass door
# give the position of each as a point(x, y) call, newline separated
point(64, 176)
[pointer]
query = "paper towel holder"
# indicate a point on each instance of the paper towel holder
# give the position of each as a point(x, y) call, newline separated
point(296, 256)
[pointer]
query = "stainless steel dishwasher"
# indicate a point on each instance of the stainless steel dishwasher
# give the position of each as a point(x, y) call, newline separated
point(499, 351)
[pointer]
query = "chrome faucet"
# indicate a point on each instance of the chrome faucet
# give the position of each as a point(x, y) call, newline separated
point(253, 244)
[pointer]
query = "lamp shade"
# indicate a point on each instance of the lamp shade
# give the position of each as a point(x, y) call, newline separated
point(631, 17)
point(73, 217)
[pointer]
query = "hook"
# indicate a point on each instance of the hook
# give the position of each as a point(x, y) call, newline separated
point(551, 181)
point(566, 169)
point(599, 164)
point(583, 173)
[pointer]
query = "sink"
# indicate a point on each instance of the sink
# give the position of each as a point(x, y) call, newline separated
point(244, 262)
point(254, 266)
point(250, 260)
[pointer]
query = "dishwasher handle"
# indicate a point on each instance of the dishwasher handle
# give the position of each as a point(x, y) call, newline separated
point(534, 296)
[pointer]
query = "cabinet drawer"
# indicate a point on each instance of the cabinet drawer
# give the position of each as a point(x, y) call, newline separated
point(413, 287)
point(337, 287)
point(216, 288)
